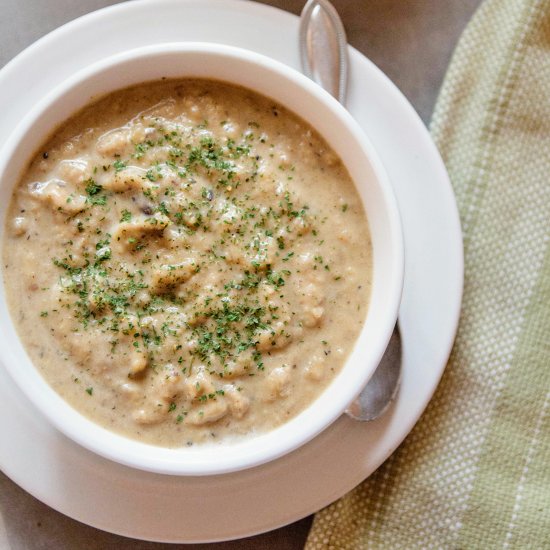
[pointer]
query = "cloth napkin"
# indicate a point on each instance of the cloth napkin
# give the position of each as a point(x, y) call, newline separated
point(475, 471)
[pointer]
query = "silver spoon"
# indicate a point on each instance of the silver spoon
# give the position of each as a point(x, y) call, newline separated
point(324, 55)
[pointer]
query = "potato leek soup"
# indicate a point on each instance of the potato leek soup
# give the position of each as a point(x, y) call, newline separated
point(187, 261)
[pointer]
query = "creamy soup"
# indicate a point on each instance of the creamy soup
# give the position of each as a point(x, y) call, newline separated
point(187, 261)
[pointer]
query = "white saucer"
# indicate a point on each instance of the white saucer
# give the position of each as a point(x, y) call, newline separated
point(164, 508)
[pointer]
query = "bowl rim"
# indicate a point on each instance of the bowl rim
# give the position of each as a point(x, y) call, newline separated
point(93, 437)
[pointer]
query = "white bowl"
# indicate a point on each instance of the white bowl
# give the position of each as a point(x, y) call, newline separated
point(335, 124)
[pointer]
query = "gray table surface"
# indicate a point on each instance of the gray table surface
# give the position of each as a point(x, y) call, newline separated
point(410, 40)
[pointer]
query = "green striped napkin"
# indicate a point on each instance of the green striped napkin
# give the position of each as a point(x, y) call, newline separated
point(475, 471)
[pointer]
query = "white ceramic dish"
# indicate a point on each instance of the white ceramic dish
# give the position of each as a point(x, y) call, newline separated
point(164, 508)
point(299, 94)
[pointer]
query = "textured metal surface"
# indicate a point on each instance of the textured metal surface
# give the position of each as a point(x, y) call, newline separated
point(377, 395)
point(323, 47)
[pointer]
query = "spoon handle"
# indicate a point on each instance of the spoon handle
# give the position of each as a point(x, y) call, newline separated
point(324, 56)
point(324, 48)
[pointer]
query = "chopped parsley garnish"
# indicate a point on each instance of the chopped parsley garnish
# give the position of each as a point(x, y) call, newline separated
point(126, 216)
point(119, 165)
point(92, 188)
